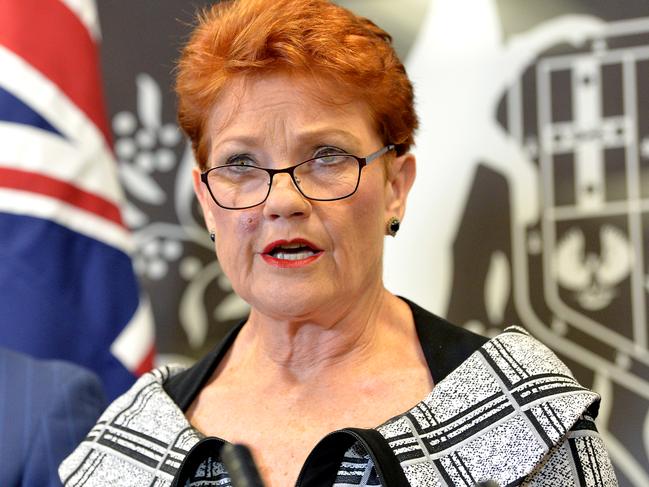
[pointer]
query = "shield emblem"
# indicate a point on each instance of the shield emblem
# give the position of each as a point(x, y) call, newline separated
point(581, 279)
point(593, 222)
point(575, 273)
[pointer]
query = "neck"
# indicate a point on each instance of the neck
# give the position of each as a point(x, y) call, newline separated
point(300, 350)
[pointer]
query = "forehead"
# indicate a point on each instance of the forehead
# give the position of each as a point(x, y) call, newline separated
point(287, 104)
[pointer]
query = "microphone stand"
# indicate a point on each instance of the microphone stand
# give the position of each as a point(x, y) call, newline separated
point(243, 471)
point(241, 466)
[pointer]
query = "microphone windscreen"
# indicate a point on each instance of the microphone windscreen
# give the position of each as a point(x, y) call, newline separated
point(241, 466)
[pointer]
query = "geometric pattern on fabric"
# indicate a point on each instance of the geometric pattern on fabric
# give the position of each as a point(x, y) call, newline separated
point(357, 469)
point(505, 411)
point(512, 413)
point(575, 462)
point(141, 439)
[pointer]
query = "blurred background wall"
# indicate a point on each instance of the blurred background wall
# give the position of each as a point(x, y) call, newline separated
point(531, 205)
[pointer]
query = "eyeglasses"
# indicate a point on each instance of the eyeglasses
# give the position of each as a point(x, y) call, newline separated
point(328, 177)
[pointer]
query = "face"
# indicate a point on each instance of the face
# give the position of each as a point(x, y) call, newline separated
point(275, 122)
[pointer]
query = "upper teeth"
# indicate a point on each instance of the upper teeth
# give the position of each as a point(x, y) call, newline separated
point(294, 256)
point(290, 246)
point(292, 251)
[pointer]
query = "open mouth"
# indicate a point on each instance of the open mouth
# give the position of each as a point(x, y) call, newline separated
point(293, 251)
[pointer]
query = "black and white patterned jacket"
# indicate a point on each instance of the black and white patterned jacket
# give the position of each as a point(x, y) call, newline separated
point(506, 410)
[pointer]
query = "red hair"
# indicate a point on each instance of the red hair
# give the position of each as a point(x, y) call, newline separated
point(304, 37)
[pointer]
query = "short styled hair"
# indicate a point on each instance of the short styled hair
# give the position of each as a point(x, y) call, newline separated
point(235, 38)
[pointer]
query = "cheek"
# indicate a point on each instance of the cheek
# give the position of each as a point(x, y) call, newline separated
point(239, 223)
point(370, 208)
point(247, 223)
point(233, 231)
point(359, 229)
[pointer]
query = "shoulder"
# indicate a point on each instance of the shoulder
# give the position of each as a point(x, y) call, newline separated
point(533, 373)
point(147, 392)
point(49, 408)
point(141, 428)
point(513, 398)
point(45, 380)
point(516, 354)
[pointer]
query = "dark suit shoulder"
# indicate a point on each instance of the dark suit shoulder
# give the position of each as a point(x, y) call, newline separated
point(52, 375)
point(48, 408)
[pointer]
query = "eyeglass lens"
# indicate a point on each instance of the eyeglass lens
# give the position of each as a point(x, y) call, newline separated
point(329, 177)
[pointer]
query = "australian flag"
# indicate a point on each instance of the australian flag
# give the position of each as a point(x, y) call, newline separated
point(67, 286)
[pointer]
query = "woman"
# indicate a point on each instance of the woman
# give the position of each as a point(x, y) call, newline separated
point(301, 119)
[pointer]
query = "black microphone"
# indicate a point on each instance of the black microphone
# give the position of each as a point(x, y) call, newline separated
point(241, 466)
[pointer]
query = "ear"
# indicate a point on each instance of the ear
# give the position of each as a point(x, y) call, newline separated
point(401, 176)
point(204, 198)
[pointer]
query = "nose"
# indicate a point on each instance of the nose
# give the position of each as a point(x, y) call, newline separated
point(285, 200)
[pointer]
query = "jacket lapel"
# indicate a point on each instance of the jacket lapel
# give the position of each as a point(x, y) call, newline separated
point(494, 417)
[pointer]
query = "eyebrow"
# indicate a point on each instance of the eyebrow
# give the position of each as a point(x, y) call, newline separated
point(304, 137)
point(342, 135)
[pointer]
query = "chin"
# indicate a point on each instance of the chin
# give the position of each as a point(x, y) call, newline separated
point(290, 303)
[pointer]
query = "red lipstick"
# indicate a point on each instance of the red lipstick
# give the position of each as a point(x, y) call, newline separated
point(292, 253)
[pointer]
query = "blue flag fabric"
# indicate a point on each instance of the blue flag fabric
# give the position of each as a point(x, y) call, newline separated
point(67, 286)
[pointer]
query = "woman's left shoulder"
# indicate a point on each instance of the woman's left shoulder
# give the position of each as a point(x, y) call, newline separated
point(511, 399)
point(535, 376)
point(517, 354)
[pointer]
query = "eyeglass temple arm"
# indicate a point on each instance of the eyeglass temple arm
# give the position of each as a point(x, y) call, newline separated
point(379, 153)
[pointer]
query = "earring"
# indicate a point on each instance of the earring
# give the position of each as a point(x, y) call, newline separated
point(392, 226)
point(212, 236)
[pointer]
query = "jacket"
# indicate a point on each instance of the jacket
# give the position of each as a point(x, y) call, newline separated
point(506, 410)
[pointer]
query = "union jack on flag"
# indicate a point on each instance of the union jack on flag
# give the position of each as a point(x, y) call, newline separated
point(67, 286)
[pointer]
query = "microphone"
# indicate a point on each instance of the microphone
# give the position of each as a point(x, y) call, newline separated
point(243, 470)
point(241, 466)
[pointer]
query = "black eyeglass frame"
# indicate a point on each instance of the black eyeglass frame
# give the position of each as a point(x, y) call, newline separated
point(362, 162)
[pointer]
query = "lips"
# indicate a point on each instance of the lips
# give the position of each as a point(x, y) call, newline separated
point(291, 253)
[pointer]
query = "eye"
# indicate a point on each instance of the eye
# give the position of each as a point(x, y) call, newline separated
point(240, 160)
point(237, 166)
point(328, 150)
point(328, 154)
